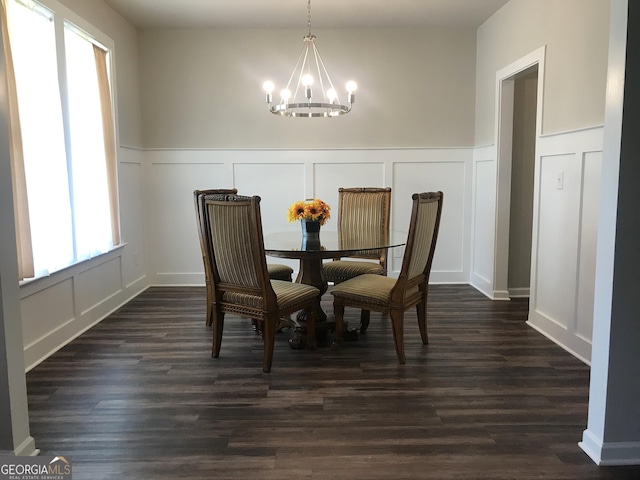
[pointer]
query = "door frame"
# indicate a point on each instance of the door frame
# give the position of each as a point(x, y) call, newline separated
point(505, 79)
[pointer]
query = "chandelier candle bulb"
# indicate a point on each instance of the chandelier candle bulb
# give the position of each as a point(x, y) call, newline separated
point(268, 88)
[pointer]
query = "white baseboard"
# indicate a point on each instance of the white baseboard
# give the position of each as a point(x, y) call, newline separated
point(522, 292)
point(610, 453)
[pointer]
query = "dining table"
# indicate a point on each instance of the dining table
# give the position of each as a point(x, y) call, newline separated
point(312, 251)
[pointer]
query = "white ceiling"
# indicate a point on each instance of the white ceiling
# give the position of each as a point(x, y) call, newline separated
point(293, 13)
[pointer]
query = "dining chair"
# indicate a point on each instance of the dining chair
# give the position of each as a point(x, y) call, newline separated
point(388, 295)
point(363, 219)
point(231, 229)
point(276, 271)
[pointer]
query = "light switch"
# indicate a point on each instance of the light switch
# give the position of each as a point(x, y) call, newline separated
point(560, 181)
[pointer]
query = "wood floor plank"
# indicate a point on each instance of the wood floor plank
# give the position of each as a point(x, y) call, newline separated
point(139, 397)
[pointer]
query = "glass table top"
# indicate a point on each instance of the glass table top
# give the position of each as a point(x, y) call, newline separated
point(291, 244)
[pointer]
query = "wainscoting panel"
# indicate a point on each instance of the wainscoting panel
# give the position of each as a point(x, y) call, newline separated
point(131, 227)
point(451, 178)
point(282, 177)
point(97, 284)
point(277, 184)
point(564, 238)
point(556, 262)
point(58, 308)
point(483, 223)
point(328, 177)
point(172, 230)
point(58, 303)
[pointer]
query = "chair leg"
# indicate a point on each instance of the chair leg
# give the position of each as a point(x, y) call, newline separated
point(365, 316)
point(218, 326)
point(421, 310)
point(269, 339)
point(209, 303)
point(338, 312)
point(397, 321)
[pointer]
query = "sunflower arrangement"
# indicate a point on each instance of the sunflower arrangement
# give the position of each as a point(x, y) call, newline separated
point(314, 209)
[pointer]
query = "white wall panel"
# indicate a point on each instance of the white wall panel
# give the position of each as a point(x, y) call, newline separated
point(565, 233)
point(280, 177)
point(58, 308)
point(173, 236)
point(56, 301)
point(131, 190)
point(484, 198)
point(277, 184)
point(448, 177)
point(328, 177)
point(568, 172)
point(97, 284)
point(558, 230)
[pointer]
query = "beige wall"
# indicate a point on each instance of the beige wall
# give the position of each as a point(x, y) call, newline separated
point(576, 33)
point(203, 88)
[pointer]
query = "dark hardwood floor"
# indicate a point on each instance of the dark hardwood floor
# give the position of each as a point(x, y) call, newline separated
point(139, 397)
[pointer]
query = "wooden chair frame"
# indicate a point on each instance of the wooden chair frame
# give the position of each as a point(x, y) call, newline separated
point(406, 292)
point(265, 305)
point(276, 271)
point(207, 273)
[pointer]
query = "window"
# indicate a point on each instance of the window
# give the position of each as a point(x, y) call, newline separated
point(70, 190)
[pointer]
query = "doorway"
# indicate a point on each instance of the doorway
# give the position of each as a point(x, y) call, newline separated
point(522, 175)
point(519, 124)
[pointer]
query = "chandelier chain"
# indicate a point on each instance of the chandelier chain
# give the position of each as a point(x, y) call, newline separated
point(309, 16)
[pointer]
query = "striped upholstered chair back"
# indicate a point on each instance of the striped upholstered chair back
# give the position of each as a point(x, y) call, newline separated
point(207, 274)
point(421, 244)
point(363, 221)
point(363, 218)
point(234, 232)
point(276, 271)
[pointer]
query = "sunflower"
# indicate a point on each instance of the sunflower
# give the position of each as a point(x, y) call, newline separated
point(296, 211)
point(314, 209)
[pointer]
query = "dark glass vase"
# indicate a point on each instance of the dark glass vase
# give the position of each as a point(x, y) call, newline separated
point(310, 234)
point(310, 227)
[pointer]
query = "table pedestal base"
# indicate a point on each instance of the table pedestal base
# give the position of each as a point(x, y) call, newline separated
point(299, 339)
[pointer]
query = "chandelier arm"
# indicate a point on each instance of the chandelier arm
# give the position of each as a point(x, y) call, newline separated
point(325, 70)
point(302, 54)
point(302, 57)
point(320, 64)
point(305, 61)
point(320, 79)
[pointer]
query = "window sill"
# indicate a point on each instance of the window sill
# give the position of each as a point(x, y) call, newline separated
point(30, 286)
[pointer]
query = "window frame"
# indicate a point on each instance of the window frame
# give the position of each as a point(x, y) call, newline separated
point(62, 18)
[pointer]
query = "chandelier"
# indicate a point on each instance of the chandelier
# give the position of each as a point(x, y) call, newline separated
point(309, 71)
